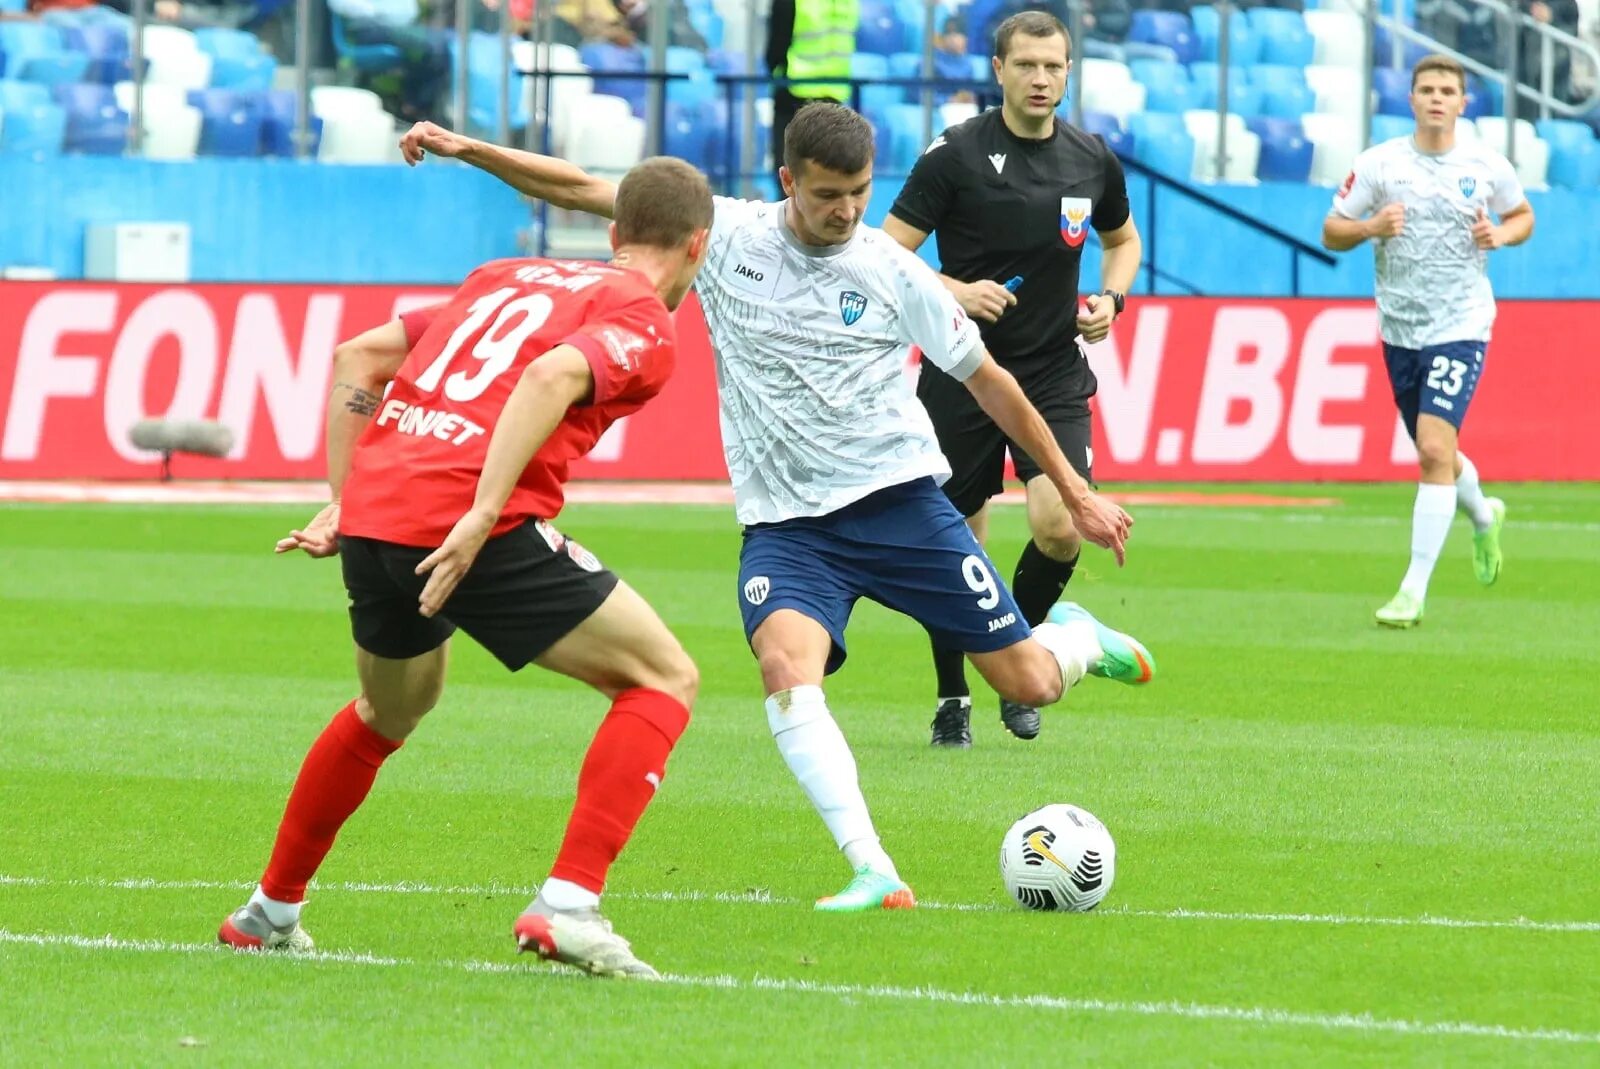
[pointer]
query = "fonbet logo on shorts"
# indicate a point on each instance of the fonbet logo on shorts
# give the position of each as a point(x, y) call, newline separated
point(757, 589)
point(1074, 219)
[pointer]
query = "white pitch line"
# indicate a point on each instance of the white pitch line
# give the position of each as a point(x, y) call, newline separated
point(1257, 1015)
point(757, 897)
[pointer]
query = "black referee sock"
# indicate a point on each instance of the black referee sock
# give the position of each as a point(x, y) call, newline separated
point(1038, 582)
point(950, 666)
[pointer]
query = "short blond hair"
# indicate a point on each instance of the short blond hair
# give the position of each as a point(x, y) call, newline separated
point(1437, 62)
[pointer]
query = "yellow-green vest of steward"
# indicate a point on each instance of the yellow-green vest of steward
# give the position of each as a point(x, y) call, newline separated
point(824, 41)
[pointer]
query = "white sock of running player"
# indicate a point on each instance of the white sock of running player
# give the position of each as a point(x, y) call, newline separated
point(1430, 523)
point(1074, 645)
point(1469, 495)
point(814, 749)
point(566, 895)
point(279, 914)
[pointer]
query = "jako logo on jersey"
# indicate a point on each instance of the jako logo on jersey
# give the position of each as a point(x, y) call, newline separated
point(749, 272)
point(851, 305)
point(999, 161)
point(757, 589)
point(1074, 216)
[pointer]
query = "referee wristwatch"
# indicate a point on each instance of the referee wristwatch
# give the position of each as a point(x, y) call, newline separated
point(1118, 300)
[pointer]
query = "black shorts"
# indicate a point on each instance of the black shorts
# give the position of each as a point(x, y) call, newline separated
point(976, 447)
point(528, 588)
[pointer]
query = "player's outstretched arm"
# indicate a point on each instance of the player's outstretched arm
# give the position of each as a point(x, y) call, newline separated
point(362, 367)
point(549, 386)
point(545, 178)
point(998, 394)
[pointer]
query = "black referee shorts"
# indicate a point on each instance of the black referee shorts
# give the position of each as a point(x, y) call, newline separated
point(527, 589)
point(976, 447)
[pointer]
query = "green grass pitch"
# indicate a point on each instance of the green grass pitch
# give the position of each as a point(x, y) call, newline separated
point(1337, 845)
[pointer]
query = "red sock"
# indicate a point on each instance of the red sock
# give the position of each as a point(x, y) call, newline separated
point(620, 775)
point(335, 778)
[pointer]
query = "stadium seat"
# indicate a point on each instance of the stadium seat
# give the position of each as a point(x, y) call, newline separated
point(1167, 86)
point(1383, 50)
point(280, 112)
point(1284, 39)
point(1574, 153)
point(1338, 90)
point(1285, 152)
point(1162, 143)
point(1108, 86)
point(685, 134)
point(171, 124)
point(31, 124)
point(237, 59)
point(707, 22)
point(106, 44)
point(869, 68)
point(1480, 99)
point(608, 150)
point(230, 121)
point(368, 58)
point(1337, 38)
point(1107, 126)
point(1243, 147)
point(1532, 152)
point(1244, 45)
point(880, 29)
point(358, 136)
point(1284, 92)
point(954, 114)
point(1166, 28)
point(603, 59)
point(96, 125)
point(1393, 91)
point(331, 100)
point(174, 58)
point(1336, 140)
point(1243, 97)
point(38, 52)
point(1389, 127)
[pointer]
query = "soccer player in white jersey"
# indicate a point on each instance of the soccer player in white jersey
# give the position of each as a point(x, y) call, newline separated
point(834, 463)
point(1426, 200)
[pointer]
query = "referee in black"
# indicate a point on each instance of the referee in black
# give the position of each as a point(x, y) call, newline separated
point(1010, 195)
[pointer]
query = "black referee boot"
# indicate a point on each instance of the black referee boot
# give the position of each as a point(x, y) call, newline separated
point(1021, 720)
point(952, 724)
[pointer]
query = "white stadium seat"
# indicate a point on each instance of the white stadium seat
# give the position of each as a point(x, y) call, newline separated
point(1339, 38)
point(953, 114)
point(1338, 89)
point(358, 137)
point(1244, 148)
point(175, 58)
point(333, 100)
point(608, 149)
point(1335, 141)
point(171, 125)
point(1108, 86)
point(1533, 152)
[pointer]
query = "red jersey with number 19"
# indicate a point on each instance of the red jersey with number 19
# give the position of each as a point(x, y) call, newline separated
point(416, 466)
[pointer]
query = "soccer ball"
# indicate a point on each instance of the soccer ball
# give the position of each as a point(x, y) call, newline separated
point(1058, 857)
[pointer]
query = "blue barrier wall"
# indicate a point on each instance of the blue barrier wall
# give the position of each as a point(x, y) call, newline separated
point(282, 221)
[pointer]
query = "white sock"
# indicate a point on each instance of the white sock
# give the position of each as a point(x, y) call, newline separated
point(814, 749)
point(1430, 523)
point(1469, 495)
point(565, 895)
point(1075, 646)
point(279, 914)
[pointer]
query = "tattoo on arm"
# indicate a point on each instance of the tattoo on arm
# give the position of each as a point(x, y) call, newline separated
point(361, 402)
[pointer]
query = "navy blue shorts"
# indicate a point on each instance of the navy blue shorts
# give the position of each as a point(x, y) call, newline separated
point(905, 547)
point(1438, 380)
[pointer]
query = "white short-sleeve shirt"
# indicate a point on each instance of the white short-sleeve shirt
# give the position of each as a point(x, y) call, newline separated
point(1432, 282)
point(811, 346)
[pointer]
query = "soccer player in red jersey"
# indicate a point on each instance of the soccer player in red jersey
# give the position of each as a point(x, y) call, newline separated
point(443, 492)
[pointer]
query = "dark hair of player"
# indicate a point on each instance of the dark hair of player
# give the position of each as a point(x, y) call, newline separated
point(661, 202)
point(1029, 24)
point(829, 135)
point(1437, 62)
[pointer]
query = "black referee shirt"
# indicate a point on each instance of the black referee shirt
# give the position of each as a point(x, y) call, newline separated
point(1005, 207)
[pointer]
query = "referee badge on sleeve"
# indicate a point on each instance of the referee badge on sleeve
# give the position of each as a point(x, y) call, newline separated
point(1075, 213)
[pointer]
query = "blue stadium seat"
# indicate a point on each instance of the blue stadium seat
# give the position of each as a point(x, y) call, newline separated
point(1107, 126)
point(237, 59)
point(1244, 98)
point(602, 58)
point(980, 14)
point(1167, 85)
point(1383, 49)
point(1162, 142)
point(1284, 92)
point(1285, 152)
point(95, 124)
point(280, 111)
point(38, 52)
point(362, 57)
point(1244, 45)
point(906, 138)
point(1389, 127)
point(1393, 88)
point(1480, 100)
point(230, 121)
point(34, 125)
point(1284, 37)
point(911, 14)
point(685, 134)
point(880, 29)
point(869, 67)
point(106, 45)
point(1166, 28)
point(1574, 153)
point(708, 24)
point(726, 62)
